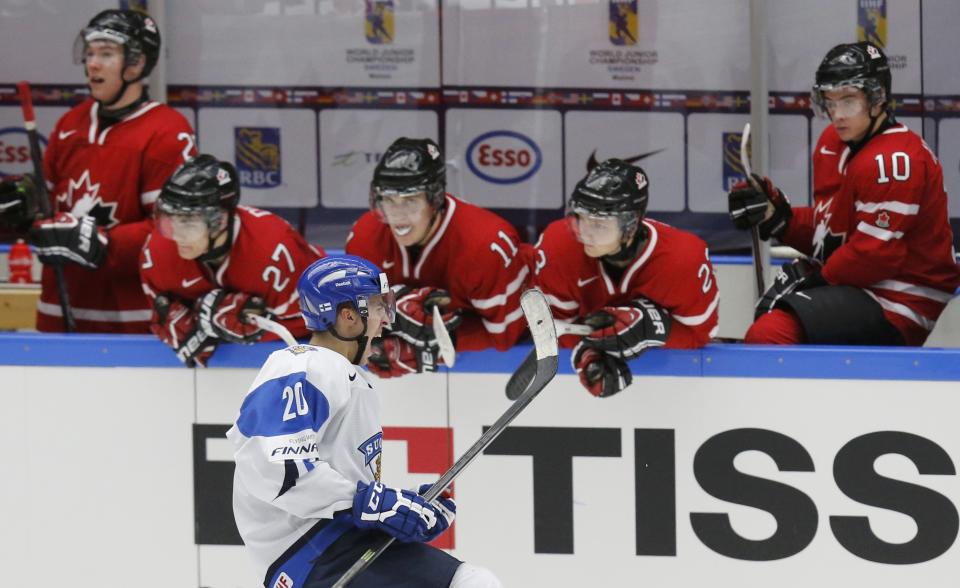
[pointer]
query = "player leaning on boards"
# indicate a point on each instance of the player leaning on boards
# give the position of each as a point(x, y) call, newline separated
point(443, 251)
point(307, 494)
point(105, 163)
point(881, 265)
point(209, 261)
point(638, 282)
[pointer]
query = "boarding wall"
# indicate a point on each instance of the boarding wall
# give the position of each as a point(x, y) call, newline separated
point(726, 466)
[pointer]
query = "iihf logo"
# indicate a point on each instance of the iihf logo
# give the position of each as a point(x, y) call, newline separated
point(732, 168)
point(378, 25)
point(872, 22)
point(623, 22)
point(257, 155)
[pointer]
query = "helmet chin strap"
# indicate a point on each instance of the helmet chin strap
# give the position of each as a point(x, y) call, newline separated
point(628, 249)
point(361, 340)
point(215, 252)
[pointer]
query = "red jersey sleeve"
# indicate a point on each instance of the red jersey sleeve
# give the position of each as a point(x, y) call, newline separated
point(885, 190)
point(497, 277)
point(173, 144)
point(553, 274)
point(691, 296)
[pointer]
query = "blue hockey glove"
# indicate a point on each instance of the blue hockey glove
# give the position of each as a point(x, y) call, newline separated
point(402, 514)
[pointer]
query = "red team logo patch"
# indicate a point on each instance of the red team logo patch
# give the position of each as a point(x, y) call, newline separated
point(883, 220)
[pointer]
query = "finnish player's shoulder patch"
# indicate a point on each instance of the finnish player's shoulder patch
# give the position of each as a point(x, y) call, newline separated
point(300, 349)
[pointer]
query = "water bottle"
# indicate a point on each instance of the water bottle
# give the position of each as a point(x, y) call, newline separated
point(20, 261)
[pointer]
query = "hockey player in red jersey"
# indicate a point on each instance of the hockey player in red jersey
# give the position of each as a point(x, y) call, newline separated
point(881, 264)
point(105, 163)
point(443, 251)
point(638, 282)
point(208, 262)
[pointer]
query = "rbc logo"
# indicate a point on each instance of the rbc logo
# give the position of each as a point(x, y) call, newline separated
point(623, 22)
point(15, 152)
point(379, 21)
point(732, 169)
point(257, 154)
point(872, 21)
point(503, 157)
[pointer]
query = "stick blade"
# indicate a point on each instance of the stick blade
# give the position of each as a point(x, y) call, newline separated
point(447, 352)
point(536, 310)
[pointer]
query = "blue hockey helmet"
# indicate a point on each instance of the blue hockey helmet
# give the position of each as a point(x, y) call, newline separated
point(337, 279)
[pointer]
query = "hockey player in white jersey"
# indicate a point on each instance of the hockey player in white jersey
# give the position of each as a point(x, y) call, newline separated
point(307, 495)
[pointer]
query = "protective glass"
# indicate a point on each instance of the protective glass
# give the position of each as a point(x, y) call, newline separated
point(596, 230)
point(190, 227)
point(383, 304)
point(397, 208)
point(89, 35)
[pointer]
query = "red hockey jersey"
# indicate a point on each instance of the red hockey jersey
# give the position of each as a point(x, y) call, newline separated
point(880, 222)
point(266, 260)
point(475, 255)
point(115, 175)
point(672, 270)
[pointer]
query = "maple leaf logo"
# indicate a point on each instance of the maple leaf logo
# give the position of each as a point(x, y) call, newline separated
point(82, 198)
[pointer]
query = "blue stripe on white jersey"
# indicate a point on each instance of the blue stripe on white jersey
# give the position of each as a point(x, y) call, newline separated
point(283, 406)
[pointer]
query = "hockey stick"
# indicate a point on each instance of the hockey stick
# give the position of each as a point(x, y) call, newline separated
point(537, 312)
point(754, 231)
point(447, 353)
point(521, 378)
point(273, 327)
point(46, 209)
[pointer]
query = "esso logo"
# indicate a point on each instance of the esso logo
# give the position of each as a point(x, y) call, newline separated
point(15, 152)
point(503, 157)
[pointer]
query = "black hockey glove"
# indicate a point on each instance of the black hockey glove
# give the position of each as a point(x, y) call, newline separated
point(66, 238)
point(393, 357)
point(414, 322)
point(600, 373)
point(223, 315)
point(176, 325)
point(19, 202)
point(748, 207)
point(799, 274)
point(628, 331)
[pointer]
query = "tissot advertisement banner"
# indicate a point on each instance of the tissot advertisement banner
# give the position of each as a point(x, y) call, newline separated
point(352, 141)
point(505, 158)
point(274, 151)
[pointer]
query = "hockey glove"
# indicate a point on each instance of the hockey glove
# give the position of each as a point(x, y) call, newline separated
point(66, 238)
point(19, 202)
point(414, 322)
point(176, 325)
point(628, 331)
point(799, 274)
point(393, 357)
point(402, 514)
point(748, 207)
point(223, 315)
point(601, 373)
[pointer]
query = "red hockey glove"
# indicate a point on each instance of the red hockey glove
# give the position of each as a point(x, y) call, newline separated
point(414, 322)
point(66, 238)
point(393, 357)
point(600, 373)
point(19, 202)
point(748, 207)
point(223, 315)
point(176, 325)
point(628, 331)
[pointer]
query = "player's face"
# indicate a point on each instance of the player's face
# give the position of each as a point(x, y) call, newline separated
point(381, 310)
point(848, 111)
point(191, 233)
point(600, 235)
point(409, 217)
point(103, 63)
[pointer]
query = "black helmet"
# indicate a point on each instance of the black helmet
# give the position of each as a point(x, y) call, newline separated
point(137, 32)
point(408, 167)
point(860, 65)
point(612, 188)
point(200, 183)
